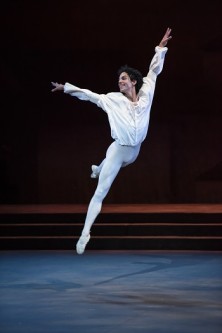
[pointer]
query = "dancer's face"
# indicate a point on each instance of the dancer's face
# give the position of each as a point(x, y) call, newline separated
point(125, 83)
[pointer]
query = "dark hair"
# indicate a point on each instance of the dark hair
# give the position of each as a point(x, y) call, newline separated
point(134, 74)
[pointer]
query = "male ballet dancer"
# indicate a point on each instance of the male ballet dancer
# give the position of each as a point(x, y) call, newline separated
point(128, 114)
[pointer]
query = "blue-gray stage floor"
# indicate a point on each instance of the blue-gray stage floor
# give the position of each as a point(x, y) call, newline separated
point(110, 292)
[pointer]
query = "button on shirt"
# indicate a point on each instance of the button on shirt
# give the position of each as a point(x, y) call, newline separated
point(128, 120)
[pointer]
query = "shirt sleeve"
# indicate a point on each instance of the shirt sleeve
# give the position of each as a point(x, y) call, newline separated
point(156, 65)
point(83, 94)
point(155, 69)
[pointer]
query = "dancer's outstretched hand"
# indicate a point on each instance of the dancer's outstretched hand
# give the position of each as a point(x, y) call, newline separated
point(58, 86)
point(166, 38)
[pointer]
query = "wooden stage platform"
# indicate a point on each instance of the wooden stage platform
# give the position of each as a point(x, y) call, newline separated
point(118, 227)
point(111, 208)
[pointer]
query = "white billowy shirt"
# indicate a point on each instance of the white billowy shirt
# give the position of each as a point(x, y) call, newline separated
point(128, 120)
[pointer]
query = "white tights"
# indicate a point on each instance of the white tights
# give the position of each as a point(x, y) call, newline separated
point(117, 156)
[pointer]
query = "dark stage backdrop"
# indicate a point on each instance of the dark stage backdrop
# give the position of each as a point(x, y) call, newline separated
point(49, 141)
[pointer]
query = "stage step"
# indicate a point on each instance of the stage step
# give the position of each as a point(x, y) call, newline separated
point(140, 227)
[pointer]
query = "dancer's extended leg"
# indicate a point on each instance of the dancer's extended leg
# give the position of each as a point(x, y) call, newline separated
point(117, 156)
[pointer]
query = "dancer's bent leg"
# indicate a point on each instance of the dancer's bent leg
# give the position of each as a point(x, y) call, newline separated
point(96, 169)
